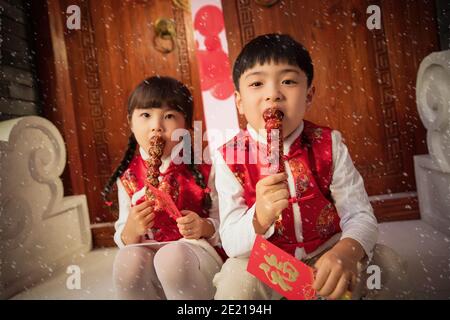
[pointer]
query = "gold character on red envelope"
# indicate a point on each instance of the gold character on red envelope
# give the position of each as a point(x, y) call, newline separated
point(279, 273)
point(280, 270)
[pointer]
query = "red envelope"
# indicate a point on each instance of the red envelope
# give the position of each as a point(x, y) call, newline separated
point(165, 202)
point(282, 272)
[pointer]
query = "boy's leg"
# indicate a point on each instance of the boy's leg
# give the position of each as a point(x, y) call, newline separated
point(134, 275)
point(393, 276)
point(392, 279)
point(186, 271)
point(233, 282)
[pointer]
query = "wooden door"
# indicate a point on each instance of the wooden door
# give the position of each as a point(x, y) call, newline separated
point(86, 76)
point(365, 81)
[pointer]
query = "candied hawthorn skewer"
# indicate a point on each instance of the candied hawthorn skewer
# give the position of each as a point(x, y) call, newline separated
point(274, 121)
point(155, 153)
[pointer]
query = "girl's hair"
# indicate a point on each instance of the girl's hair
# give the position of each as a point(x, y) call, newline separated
point(156, 92)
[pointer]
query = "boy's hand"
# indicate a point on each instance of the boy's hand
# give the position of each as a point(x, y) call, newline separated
point(272, 197)
point(337, 269)
point(140, 219)
point(192, 226)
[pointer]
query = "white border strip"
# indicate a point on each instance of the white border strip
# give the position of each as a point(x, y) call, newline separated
point(102, 225)
point(393, 196)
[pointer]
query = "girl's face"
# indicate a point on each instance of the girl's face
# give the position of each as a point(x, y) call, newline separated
point(145, 123)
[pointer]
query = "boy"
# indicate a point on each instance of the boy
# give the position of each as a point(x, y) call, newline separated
point(326, 218)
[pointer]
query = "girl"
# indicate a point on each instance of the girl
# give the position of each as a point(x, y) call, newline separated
point(183, 268)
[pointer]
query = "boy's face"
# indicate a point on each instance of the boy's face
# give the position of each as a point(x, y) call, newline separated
point(282, 86)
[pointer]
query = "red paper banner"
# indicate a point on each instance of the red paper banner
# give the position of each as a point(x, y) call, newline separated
point(165, 202)
point(282, 272)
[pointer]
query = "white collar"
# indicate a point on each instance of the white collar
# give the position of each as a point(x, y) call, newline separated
point(287, 141)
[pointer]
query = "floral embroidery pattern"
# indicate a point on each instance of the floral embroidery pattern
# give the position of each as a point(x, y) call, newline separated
point(313, 133)
point(317, 133)
point(301, 185)
point(301, 177)
point(297, 167)
point(324, 223)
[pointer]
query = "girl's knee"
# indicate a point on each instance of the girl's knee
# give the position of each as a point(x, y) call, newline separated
point(133, 256)
point(173, 260)
point(130, 263)
point(173, 255)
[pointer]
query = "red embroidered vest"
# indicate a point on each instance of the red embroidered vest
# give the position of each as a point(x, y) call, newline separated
point(179, 182)
point(311, 162)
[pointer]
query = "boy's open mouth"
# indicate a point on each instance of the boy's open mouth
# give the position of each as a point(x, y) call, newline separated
point(273, 114)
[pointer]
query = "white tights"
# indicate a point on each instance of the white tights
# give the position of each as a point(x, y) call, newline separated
point(176, 271)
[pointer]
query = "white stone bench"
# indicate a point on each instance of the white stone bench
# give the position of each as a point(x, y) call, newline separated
point(95, 279)
point(41, 231)
point(433, 170)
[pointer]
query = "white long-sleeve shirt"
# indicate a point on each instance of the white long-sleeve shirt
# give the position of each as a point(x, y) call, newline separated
point(357, 220)
point(125, 204)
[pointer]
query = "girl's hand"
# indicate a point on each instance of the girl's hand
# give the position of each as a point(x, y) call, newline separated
point(337, 269)
point(192, 226)
point(140, 219)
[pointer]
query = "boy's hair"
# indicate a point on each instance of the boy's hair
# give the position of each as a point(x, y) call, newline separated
point(273, 48)
point(156, 92)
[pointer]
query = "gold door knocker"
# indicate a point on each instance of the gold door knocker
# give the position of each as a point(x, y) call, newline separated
point(164, 39)
point(266, 3)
